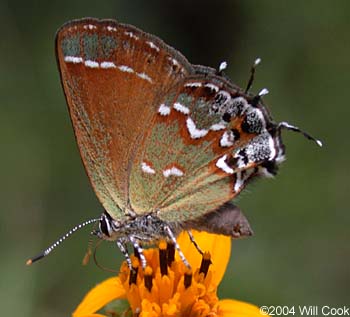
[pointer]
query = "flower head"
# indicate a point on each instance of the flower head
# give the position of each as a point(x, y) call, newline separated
point(166, 287)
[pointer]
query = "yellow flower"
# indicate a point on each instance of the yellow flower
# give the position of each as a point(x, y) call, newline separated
point(166, 287)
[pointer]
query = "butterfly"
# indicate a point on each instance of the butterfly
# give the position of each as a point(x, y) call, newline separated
point(167, 145)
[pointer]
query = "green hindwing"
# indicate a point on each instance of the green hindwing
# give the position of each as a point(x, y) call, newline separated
point(175, 171)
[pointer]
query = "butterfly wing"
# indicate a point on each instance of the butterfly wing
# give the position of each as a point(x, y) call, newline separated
point(113, 77)
point(207, 139)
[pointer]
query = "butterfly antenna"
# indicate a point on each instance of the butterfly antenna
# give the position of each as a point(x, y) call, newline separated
point(287, 126)
point(252, 73)
point(59, 241)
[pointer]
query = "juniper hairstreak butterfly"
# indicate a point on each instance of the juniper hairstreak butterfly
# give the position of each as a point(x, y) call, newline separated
point(167, 145)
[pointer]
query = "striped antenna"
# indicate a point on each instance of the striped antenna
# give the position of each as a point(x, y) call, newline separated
point(59, 241)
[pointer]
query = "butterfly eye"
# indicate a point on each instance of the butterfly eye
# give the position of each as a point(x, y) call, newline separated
point(105, 227)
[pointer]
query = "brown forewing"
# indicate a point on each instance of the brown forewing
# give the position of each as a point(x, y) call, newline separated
point(110, 107)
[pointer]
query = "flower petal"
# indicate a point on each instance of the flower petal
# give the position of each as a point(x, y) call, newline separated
point(94, 315)
point(230, 307)
point(219, 247)
point(99, 296)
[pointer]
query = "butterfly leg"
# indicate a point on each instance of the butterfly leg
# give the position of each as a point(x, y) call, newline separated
point(123, 248)
point(190, 235)
point(139, 250)
point(177, 247)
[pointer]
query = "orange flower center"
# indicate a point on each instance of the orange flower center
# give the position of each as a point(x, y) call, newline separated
point(167, 288)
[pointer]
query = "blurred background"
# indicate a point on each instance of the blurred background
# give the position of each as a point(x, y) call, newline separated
point(300, 252)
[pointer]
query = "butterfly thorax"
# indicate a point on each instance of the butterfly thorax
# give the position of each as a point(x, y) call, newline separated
point(146, 228)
